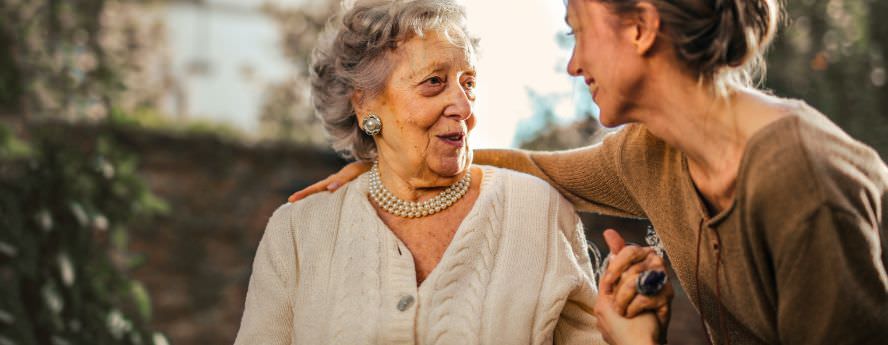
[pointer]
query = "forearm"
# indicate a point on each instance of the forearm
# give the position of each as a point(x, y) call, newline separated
point(517, 160)
point(523, 161)
point(587, 176)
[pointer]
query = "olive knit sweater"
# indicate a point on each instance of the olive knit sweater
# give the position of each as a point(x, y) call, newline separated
point(798, 258)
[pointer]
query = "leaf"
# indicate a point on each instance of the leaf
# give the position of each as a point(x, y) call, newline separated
point(142, 300)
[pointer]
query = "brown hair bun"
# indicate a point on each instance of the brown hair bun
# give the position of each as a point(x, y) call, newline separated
point(719, 40)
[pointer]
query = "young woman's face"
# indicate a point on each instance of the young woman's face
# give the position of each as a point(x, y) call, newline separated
point(427, 108)
point(605, 57)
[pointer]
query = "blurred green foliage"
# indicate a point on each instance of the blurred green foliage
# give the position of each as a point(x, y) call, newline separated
point(151, 118)
point(831, 53)
point(286, 113)
point(64, 209)
point(51, 59)
point(63, 248)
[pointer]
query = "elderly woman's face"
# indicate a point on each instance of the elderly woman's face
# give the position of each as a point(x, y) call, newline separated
point(427, 108)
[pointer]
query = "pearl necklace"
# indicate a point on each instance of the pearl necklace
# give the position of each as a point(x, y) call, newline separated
point(413, 209)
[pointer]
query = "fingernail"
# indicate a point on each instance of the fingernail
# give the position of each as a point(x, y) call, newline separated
point(333, 186)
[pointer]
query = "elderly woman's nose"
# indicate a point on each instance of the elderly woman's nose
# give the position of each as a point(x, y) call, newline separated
point(460, 105)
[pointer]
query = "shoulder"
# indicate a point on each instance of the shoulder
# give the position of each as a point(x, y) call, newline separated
point(835, 158)
point(632, 142)
point(530, 192)
point(804, 162)
point(495, 177)
point(317, 210)
point(520, 186)
point(647, 165)
point(326, 200)
point(638, 141)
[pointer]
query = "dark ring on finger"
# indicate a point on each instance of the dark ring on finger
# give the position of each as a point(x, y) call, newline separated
point(650, 282)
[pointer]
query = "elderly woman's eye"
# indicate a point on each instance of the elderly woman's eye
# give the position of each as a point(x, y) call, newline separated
point(470, 84)
point(435, 81)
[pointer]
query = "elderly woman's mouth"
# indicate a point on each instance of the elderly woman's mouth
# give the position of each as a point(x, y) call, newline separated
point(454, 138)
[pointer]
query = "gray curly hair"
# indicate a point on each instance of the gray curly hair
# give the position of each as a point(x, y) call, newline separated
point(354, 53)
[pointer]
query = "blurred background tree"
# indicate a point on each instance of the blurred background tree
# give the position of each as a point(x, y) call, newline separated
point(64, 258)
point(64, 209)
point(92, 120)
point(286, 112)
point(77, 60)
point(832, 55)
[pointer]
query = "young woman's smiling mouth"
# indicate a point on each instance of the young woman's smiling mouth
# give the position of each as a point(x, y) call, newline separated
point(593, 87)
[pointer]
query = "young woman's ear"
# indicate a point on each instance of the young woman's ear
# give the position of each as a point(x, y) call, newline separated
point(646, 27)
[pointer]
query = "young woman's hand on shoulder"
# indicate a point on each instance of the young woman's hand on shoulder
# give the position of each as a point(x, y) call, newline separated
point(331, 183)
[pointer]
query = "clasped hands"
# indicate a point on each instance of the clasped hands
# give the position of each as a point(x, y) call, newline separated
point(626, 316)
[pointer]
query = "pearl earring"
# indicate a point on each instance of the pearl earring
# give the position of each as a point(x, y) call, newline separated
point(371, 125)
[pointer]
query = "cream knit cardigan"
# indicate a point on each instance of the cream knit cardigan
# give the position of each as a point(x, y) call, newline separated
point(328, 271)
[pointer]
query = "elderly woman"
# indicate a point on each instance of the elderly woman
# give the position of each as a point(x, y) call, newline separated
point(423, 248)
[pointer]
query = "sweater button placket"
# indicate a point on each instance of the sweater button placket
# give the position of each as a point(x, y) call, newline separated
point(713, 238)
point(405, 302)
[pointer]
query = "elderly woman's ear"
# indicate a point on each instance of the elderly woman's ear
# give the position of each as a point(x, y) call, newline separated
point(358, 103)
point(368, 122)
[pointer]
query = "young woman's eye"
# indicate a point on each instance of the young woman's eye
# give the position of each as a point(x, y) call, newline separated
point(470, 84)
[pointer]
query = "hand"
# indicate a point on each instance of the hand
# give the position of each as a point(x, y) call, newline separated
point(332, 182)
point(626, 263)
point(617, 329)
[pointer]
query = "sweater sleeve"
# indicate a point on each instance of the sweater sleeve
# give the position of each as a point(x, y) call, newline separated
point(831, 281)
point(589, 177)
point(577, 324)
point(267, 317)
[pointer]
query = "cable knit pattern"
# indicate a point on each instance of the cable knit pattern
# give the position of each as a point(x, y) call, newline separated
point(467, 273)
point(328, 271)
point(362, 270)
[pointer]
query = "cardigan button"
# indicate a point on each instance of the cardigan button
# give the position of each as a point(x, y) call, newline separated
point(405, 302)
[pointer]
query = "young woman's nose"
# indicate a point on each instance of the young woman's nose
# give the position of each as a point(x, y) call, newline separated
point(573, 66)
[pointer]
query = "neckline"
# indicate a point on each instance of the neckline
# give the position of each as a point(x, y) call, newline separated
point(752, 143)
point(484, 194)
